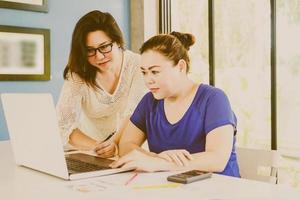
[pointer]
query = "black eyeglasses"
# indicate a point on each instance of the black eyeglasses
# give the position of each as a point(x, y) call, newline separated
point(106, 48)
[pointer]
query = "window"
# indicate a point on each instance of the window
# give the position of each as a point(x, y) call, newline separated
point(242, 66)
point(242, 46)
point(288, 82)
point(181, 10)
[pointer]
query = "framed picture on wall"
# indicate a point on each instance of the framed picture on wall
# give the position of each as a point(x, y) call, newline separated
point(24, 54)
point(32, 5)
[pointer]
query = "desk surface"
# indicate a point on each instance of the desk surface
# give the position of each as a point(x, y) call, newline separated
point(22, 183)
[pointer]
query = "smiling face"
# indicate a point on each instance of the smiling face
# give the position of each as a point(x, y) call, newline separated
point(103, 61)
point(160, 75)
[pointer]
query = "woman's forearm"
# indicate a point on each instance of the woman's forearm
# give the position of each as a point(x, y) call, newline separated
point(119, 133)
point(81, 141)
point(207, 161)
point(125, 148)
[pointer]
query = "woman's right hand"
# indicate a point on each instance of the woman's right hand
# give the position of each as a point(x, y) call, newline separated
point(180, 157)
point(106, 149)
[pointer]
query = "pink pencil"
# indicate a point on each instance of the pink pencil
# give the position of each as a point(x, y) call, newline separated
point(131, 178)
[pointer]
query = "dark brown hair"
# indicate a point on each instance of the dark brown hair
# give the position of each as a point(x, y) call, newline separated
point(174, 46)
point(78, 63)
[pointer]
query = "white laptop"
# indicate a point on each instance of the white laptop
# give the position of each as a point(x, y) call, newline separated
point(36, 142)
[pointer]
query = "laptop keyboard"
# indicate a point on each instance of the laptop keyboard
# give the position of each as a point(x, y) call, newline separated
point(80, 166)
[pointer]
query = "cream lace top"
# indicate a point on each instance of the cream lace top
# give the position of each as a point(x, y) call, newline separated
point(96, 112)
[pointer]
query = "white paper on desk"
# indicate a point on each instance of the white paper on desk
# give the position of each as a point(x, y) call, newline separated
point(151, 178)
point(93, 185)
point(143, 178)
point(116, 182)
point(113, 182)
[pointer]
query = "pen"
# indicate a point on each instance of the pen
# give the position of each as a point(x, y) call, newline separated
point(109, 136)
point(131, 179)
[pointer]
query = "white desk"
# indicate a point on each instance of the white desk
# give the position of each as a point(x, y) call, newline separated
point(21, 183)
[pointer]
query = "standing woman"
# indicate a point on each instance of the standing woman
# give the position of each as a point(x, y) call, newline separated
point(102, 86)
point(187, 126)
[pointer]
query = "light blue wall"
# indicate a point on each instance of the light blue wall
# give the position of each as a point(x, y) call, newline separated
point(61, 19)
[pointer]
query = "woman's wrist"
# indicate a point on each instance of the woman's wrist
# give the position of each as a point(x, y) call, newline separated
point(116, 149)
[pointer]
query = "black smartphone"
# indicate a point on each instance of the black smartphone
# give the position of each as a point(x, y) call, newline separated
point(189, 176)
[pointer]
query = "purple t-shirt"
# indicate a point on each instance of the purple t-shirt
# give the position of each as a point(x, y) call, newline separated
point(210, 109)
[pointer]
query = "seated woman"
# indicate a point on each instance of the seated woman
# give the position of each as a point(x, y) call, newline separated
point(188, 126)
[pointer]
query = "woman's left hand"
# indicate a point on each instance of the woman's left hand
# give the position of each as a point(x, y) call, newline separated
point(180, 156)
point(106, 149)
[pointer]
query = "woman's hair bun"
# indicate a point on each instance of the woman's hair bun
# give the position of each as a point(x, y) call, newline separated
point(186, 39)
